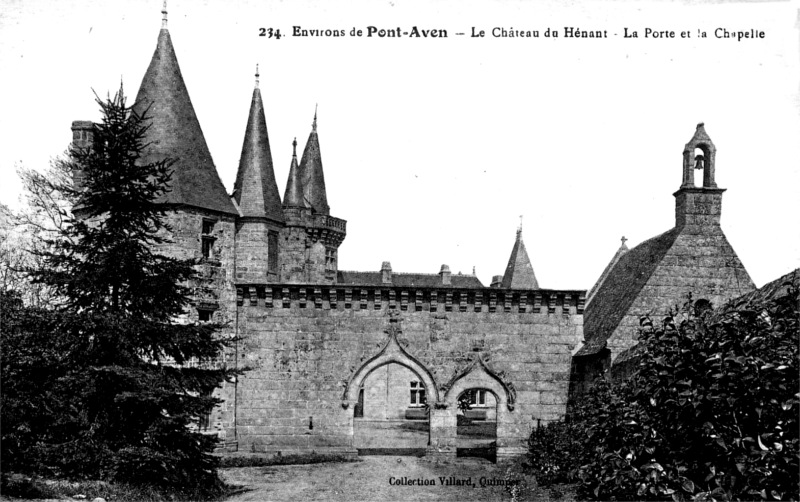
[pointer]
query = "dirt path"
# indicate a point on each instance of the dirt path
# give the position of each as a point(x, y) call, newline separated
point(372, 479)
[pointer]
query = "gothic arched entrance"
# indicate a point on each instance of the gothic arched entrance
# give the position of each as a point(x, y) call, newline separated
point(388, 398)
point(391, 415)
point(476, 424)
point(445, 438)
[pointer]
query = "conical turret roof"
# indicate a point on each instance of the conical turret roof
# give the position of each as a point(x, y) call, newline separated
point(175, 133)
point(256, 191)
point(313, 179)
point(293, 196)
point(519, 271)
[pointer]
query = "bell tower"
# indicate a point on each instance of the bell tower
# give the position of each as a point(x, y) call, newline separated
point(698, 204)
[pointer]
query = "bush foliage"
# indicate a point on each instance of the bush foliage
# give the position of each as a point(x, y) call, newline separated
point(710, 413)
point(96, 385)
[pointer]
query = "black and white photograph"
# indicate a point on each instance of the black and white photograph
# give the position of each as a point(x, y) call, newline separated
point(448, 250)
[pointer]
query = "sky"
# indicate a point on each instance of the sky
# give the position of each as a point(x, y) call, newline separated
point(434, 147)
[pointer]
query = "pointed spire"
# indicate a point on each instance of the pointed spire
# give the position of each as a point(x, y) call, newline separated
point(164, 16)
point(175, 133)
point(293, 196)
point(519, 271)
point(256, 191)
point(311, 173)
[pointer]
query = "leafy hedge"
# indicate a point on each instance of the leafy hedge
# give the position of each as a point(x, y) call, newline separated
point(711, 413)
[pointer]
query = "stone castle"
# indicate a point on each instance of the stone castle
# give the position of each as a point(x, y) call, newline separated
point(372, 361)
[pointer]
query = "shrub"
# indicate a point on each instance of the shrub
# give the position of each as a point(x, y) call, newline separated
point(711, 412)
point(555, 452)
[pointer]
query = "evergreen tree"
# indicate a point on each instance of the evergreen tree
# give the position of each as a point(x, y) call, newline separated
point(125, 399)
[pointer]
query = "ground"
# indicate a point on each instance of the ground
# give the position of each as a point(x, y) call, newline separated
point(368, 478)
point(373, 478)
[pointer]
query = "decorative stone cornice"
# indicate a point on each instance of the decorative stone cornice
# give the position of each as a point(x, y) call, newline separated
point(419, 299)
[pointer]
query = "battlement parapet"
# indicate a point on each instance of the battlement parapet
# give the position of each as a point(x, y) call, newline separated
point(322, 227)
point(419, 299)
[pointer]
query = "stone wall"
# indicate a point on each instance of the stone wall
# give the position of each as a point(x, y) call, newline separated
point(213, 292)
point(700, 262)
point(252, 250)
point(310, 348)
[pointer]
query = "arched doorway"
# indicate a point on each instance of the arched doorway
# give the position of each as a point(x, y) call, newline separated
point(391, 415)
point(476, 424)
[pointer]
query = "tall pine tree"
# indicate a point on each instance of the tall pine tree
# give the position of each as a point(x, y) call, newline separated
point(127, 399)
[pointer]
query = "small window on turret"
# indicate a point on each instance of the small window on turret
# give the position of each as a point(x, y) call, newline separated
point(272, 251)
point(207, 240)
point(330, 258)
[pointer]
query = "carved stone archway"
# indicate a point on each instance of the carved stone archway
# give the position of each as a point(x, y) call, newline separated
point(480, 375)
point(392, 352)
point(477, 375)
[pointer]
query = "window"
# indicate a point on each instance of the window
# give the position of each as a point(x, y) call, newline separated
point(418, 394)
point(207, 240)
point(477, 397)
point(204, 315)
point(204, 420)
point(272, 251)
point(330, 258)
point(358, 412)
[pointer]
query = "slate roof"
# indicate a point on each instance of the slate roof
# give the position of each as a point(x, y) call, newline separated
point(767, 292)
point(293, 196)
point(255, 190)
point(311, 175)
point(175, 133)
point(620, 289)
point(621, 251)
point(346, 277)
point(519, 271)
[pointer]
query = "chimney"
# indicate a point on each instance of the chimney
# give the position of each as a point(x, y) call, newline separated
point(386, 273)
point(445, 273)
point(497, 281)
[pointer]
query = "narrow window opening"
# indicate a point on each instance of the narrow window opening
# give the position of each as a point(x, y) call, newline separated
point(207, 239)
point(272, 251)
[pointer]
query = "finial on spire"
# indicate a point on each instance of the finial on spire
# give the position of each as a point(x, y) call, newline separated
point(314, 125)
point(519, 230)
point(164, 16)
point(294, 148)
point(623, 240)
point(257, 75)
